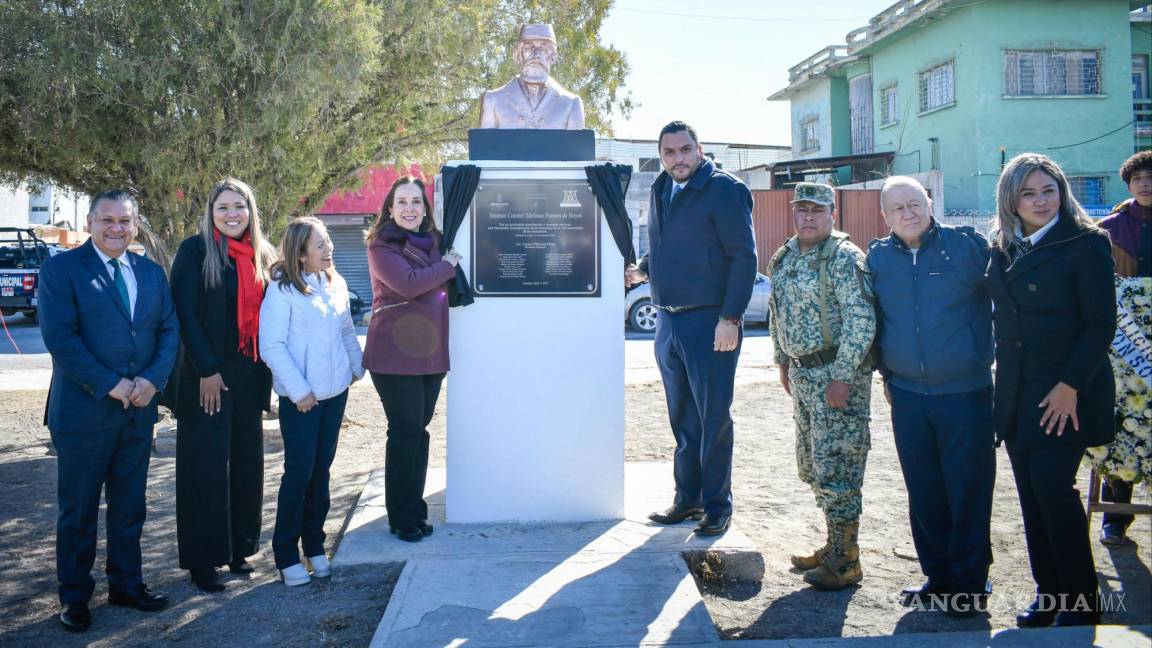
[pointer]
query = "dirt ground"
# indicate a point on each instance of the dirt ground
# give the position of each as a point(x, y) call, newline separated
point(772, 507)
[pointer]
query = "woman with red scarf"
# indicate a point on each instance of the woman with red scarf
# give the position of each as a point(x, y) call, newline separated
point(221, 386)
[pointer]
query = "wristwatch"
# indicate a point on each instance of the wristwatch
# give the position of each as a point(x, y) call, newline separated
point(734, 321)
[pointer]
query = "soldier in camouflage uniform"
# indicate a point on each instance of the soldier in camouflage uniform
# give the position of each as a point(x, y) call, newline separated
point(823, 325)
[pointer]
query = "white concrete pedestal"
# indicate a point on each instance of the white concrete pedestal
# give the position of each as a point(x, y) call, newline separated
point(536, 392)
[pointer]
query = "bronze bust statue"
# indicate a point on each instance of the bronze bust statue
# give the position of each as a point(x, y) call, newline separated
point(533, 99)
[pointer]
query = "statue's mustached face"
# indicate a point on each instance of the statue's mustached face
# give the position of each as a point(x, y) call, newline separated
point(534, 71)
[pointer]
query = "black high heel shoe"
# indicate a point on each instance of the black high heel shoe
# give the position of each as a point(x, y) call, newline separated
point(240, 566)
point(425, 528)
point(409, 534)
point(207, 580)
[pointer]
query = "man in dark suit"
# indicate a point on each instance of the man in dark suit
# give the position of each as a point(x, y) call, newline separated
point(702, 266)
point(107, 319)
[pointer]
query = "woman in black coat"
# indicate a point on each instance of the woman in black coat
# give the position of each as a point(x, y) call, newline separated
point(1055, 314)
point(221, 386)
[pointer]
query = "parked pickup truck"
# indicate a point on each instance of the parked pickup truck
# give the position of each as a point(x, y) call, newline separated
point(21, 255)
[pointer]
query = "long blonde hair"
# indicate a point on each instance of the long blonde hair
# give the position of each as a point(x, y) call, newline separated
point(214, 264)
point(1008, 188)
point(289, 270)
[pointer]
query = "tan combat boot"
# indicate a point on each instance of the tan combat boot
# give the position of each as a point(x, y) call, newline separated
point(817, 557)
point(841, 566)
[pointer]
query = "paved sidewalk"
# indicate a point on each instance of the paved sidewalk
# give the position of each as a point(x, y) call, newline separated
point(623, 582)
point(24, 372)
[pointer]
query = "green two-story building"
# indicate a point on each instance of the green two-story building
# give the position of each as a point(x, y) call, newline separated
point(959, 87)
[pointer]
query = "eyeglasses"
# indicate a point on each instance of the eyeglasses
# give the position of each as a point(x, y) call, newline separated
point(533, 48)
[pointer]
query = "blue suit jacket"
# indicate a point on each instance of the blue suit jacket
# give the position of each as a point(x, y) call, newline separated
point(702, 250)
point(94, 342)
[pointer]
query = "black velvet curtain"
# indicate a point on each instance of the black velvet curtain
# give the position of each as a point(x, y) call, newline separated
point(610, 184)
point(459, 186)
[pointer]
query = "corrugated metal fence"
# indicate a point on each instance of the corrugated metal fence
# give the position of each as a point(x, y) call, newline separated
point(859, 216)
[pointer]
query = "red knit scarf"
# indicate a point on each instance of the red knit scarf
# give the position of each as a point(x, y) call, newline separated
point(249, 292)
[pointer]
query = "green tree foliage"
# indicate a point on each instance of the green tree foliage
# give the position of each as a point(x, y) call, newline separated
point(292, 96)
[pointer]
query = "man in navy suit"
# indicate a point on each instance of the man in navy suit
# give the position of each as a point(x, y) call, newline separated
point(702, 266)
point(107, 319)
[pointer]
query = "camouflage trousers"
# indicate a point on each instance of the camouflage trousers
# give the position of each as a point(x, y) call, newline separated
point(831, 444)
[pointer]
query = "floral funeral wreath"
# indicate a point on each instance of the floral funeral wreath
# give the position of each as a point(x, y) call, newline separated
point(1129, 456)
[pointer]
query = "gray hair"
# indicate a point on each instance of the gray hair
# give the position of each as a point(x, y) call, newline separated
point(216, 256)
point(901, 181)
point(114, 195)
point(1011, 182)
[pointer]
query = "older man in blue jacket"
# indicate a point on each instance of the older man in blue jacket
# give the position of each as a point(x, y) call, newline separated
point(702, 266)
point(935, 328)
point(107, 319)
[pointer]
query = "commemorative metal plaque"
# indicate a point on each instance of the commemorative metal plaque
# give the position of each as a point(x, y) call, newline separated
point(535, 238)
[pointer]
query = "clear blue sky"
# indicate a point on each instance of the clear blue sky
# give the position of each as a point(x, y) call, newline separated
point(713, 64)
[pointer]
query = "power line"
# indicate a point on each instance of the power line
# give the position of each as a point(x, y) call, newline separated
point(743, 18)
point(1111, 132)
point(1066, 146)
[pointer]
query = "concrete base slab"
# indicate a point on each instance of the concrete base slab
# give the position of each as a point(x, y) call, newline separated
point(605, 583)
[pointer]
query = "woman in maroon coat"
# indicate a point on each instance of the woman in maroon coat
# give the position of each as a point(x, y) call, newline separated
point(407, 347)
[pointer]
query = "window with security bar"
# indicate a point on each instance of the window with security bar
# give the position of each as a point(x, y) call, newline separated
point(860, 113)
point(1052, 73)
point(809, 140)
point(937, 87)
point(889, 100)
point(1088, 190)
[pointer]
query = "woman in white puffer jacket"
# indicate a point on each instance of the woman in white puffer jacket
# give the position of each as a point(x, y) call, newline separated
point(308, 340)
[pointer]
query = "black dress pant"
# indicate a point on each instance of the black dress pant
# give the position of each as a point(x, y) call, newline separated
point(114, 460)
point(1055, 525)
point(409, 402)
point(1117, 491)
point(220, 478)
point(698, 384)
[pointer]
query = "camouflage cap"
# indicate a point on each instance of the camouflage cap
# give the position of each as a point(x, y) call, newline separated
point(821, 194)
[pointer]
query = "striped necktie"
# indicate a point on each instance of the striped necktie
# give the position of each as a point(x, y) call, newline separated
point(1020, 247)
point(121, 285)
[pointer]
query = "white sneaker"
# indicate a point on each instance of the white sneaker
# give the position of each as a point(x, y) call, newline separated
point(295, 575)
point(321, 568)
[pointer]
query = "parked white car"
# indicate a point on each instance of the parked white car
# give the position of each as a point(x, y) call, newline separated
point(641, 314)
